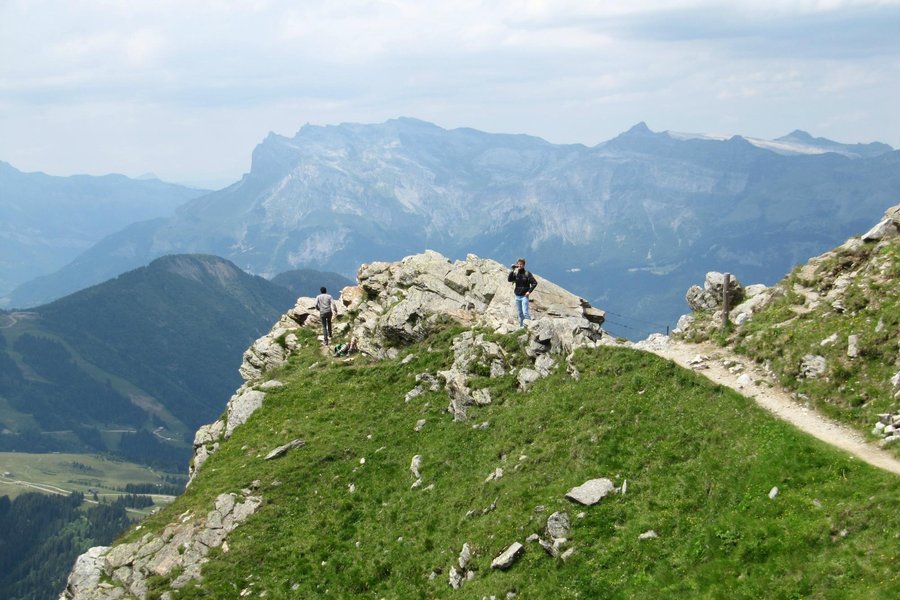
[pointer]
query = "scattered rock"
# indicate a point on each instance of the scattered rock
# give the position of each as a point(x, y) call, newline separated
point(591, 491)
point(497, 474)
point(830, 340)
point(853, 346)
point(773, 492)
point(526, 377)
point(648, 535)
point(420, 424)
point(744, 381)
point(508, 557)
point(567, 554)
point(465, 555)
point(684, 323)
point(455, 578)
point(558, 525)
point(812, 366)
point(415, 465)
point(413, 393)
point(710, 296)
point(282, 450)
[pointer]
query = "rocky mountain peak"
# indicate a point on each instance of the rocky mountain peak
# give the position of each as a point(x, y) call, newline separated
point(392, 305)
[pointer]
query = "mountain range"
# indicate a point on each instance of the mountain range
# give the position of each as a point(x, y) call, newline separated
point(627, 224)
point(47, 221)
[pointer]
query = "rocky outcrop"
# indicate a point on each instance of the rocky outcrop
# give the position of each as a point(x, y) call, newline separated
point(887, 428)
point(711, 295)
point(398, 303)
point(123, 571)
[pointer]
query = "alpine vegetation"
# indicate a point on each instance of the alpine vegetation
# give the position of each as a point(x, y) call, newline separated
point(437, 449)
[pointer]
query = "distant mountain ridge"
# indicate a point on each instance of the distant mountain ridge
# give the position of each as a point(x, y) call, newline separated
point(627, 223)
point(306, 282)
point(47, 221)
point(799, 142)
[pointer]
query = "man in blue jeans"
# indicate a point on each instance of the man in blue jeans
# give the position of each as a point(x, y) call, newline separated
point(525, 284)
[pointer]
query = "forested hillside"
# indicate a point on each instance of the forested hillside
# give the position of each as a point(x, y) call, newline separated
point(40, 536)
point(134, 365)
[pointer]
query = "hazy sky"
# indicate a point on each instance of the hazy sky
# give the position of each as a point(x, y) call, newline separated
point(186, 88)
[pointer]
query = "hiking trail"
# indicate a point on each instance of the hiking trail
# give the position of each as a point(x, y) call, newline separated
point(724, 367)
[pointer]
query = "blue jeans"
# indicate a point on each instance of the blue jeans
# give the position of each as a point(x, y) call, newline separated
point(522, 306)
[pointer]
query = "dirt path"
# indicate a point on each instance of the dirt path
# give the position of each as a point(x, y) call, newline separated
point(721, 366)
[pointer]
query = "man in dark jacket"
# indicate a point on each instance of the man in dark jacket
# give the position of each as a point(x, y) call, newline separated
point(525, 284)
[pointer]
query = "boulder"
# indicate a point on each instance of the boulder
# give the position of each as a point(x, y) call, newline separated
point(709, 297)
point(812, 366)
point(591, 491)
point(508, 557)
point(558, 525)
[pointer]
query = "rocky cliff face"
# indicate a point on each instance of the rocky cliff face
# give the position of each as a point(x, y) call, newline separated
point(393, 304)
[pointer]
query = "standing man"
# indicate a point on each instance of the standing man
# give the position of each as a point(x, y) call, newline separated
point(327, 308)
point(525, 284)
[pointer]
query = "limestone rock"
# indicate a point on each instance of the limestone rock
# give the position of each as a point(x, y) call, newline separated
point(885, 228)
point(464, 556)
point(282, 450)
point(558, 525)
point(709, 297)
point(591, 491)
point(853, 346)
point(526, 377)
point(508, 557)
point(830, 340)
point(86, 574)
point(240, 407)
point(455, 578)
point(684, 323)
point(182, 548)
point(812, 366)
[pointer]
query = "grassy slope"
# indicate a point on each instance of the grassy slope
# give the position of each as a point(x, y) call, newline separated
point(699, 460)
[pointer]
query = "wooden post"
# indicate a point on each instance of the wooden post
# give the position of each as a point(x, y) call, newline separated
point(725, 304)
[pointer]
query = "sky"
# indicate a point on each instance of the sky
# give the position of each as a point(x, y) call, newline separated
point(185, 89)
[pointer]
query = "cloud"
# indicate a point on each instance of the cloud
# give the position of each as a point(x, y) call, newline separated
point(567, 70)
